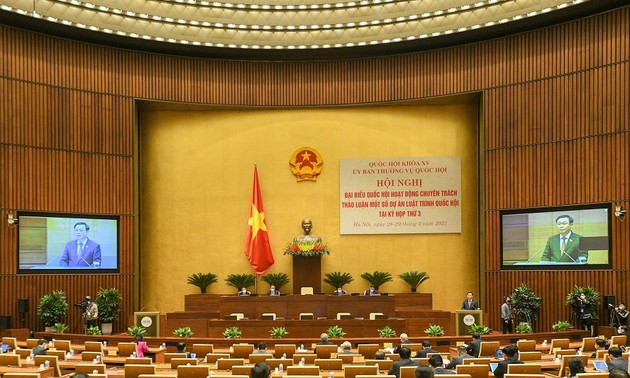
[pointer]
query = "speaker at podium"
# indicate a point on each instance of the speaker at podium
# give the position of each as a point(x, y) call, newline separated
point(150, 320)
point(465, 318)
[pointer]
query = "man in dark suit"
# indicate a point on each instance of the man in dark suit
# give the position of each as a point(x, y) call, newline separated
point(459, 359)
point(475, 345)
point(371, 291)
point(323, 340)
point(81, 252)
point(564, 246)
point(404, 339)
point(273, 291)
point(437, 364)
point(510, 357)
point(470, 303)
point(41, 348)
point(616, 360)
point(405, 360)
point(426, 349)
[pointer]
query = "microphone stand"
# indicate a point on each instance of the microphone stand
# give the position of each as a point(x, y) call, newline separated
point(569, 256)
point(535, 254)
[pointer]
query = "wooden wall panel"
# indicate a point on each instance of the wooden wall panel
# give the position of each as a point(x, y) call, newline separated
point(68, 181)
point(556, 97)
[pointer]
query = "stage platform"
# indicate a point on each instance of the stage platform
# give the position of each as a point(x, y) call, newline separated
point(406, 312)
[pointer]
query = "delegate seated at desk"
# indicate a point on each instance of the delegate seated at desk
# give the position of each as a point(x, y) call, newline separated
point(564, 246)
point(272, 291)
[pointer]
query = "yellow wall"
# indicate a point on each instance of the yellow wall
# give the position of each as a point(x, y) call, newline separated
point(196, 171)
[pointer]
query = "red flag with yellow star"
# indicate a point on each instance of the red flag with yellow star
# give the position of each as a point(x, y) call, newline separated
point(257, 247)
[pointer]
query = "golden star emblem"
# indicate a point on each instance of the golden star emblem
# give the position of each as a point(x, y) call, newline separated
point(257, 221)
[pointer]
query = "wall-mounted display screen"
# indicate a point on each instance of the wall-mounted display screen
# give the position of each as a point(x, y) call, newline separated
point(556, 238)
point(67, 243)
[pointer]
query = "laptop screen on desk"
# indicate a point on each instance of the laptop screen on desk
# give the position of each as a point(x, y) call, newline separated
point(5, 348)
point(493, 366)
point(600, 365)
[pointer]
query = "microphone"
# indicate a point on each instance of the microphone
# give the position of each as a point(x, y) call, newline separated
point(56, 257)
point(535, 254)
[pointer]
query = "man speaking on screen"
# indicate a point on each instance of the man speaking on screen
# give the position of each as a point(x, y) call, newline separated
point(564, 246)
point(81, 252)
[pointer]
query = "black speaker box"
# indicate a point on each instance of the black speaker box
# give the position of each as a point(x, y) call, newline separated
point(5, 322)
point(22, 305)
point(609, 300)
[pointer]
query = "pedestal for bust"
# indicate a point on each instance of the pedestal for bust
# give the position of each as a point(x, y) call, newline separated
point(307, 271)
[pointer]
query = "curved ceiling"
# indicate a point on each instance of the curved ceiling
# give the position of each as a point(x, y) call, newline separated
point(290, 29)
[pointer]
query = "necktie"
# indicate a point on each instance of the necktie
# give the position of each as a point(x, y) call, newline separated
point(563, 244)
point(79, 250)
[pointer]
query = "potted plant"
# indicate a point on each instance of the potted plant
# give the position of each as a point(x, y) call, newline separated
point(183, 332)
point(434, 330)
point(523, 327)
point(239, 281)
point(386, 332)
point(278, 332)
point(52, 308)
point(232, 333)
point(136, 330)
point(377, 278)
point(561, 325)
point(93, 330)
point(59, 328)
point(108, 302)
point(335, 332)
point(202, 280)
point(276, 279)
point(338, 279)
point(414, 279)
point(525, 304)
point(479, 328)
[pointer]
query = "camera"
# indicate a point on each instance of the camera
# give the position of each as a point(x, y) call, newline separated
point(83, 304)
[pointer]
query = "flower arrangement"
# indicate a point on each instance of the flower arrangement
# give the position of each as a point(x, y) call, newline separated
point(302, 248)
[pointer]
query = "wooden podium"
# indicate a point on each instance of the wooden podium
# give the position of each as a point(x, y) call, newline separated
point(148, 320)
point(307, 271)
point(465, 318)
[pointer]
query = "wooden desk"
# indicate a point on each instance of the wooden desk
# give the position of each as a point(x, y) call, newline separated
point(322, 306)
point(44, 373)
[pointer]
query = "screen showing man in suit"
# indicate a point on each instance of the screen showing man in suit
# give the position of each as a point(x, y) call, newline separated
point(568, 237)
point(67, 243)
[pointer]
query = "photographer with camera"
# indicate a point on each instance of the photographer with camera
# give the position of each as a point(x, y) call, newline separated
point(582, 307)
point(506, 314)
point(90, 311)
